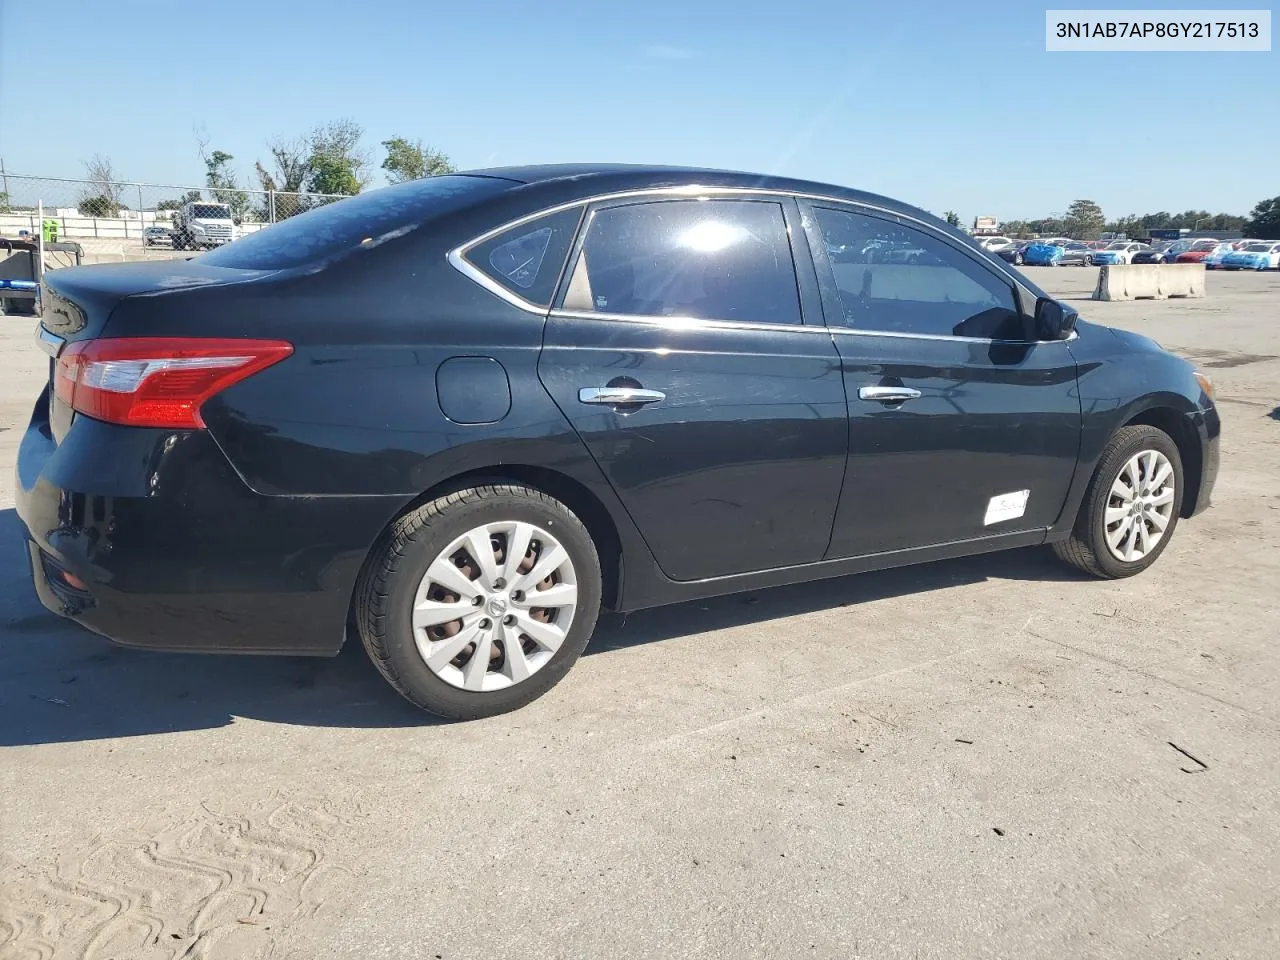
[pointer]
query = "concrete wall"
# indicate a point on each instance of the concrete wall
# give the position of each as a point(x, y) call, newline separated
point(77, 227)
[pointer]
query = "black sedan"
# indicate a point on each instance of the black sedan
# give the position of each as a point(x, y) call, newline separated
point(458, 416)
point(1156, 254)
point(1014, 253)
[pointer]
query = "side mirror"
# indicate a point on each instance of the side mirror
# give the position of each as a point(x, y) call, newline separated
point(1054, 320)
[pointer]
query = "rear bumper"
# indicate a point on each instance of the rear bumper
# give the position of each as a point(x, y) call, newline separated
point(167, 548)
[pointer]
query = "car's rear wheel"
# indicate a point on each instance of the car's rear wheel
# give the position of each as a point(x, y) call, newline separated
point(1131, 508)
point(481, 601)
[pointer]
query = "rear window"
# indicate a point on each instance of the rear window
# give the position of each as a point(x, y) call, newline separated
point(361, 221)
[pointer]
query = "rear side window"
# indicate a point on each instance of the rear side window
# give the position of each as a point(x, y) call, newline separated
point(526, 259)
point(894, 278)
point(360, 222)
point(710, 259)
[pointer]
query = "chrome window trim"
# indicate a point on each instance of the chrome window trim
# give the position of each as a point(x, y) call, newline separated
point(688, 323)
point(699, 323)
point(851, 332)
point(457, 259)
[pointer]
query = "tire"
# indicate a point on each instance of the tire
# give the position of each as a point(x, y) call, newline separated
point(1018, 260)
point(1088, 261)
point(1087, 547)
point(398, 578)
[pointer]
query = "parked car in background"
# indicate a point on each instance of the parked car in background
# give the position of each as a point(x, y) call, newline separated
point(1058, 252)
point(1156, 253)
point(1213, 259)
point(1118, 251)
point(1199, 250)
point(1257, 255)
point(993, 243)
point(1014, 252)
point(155, 236)
point(580, 386)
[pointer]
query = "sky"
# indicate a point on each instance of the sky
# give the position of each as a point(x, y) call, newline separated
point(949, 105)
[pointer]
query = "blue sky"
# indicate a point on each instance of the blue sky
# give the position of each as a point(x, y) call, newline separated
point(946, 104)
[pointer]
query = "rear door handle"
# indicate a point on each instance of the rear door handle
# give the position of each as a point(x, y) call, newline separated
point(888, 394)
point(614, 396)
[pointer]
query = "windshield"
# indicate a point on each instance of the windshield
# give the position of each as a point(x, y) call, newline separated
point(210, 211)
point(1257, 247)
point(363, 220)
point(1205, 245)
point(1119, 245)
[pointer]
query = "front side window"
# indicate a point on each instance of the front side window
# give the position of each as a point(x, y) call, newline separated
point(526, 259)
point(894, 278)
point(709, 259)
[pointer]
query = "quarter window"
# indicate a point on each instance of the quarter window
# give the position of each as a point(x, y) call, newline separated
point(710, 259)
point(895, 278)
point(526, 259)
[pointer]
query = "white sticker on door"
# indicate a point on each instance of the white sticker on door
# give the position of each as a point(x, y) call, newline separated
point(1006, 506)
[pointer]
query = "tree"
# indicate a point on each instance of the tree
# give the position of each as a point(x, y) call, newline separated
point(412, 161)
point(1264, 220)
point(4, 202)
point(222, 181)
point(293, 164)
point(103, 185)
point(1084, 220)
point(98, 206)
point(950, 216)
point(337, 159)
point(328, 160)
point(331, 175)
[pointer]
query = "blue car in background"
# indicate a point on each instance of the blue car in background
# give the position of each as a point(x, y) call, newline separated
point(1260, 255)
point(1058, 252)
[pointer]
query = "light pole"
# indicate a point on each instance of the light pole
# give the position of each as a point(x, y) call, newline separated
point(1196, 226)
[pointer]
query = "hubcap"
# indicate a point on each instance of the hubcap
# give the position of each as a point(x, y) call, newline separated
point(494, 606)
point(1140, 506)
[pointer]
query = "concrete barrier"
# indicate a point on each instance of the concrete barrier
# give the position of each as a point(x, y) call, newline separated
point(1155, 281)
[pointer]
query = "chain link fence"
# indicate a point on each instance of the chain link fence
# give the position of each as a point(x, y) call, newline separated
point(127, 213)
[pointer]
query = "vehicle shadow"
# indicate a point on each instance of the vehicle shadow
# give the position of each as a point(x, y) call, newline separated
point(617, 631)
point(60, 683)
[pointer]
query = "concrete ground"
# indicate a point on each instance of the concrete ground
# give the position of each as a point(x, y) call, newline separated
point(991, 757)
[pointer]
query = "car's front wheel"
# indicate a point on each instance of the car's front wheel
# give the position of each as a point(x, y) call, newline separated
point(1018, 260)
point(479, 602)
point(1131, 508)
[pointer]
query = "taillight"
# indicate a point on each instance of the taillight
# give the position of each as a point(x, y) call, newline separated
point(157, 381)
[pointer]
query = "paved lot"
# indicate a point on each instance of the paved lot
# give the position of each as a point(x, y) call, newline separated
point(980, 758)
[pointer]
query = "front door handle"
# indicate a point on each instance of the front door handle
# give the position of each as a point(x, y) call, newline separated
point(888, 394)
point(615, 396)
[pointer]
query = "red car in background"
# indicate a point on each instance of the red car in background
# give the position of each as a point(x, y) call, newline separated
point(1197, 251)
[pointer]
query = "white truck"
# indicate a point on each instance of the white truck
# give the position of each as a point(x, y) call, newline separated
point(202, 224)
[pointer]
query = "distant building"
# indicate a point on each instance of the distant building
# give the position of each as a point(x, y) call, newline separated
point(1176, 233)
